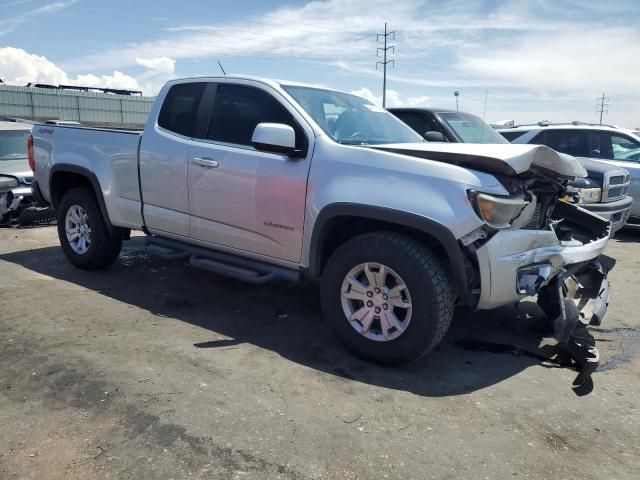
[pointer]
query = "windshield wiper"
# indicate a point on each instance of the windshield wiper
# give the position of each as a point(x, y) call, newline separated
point(352, 142)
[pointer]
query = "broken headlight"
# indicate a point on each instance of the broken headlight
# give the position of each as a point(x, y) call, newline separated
point(497, 212)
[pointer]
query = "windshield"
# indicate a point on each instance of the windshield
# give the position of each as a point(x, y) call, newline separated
point(13, 144)
point(352, 120)
point(471, 129)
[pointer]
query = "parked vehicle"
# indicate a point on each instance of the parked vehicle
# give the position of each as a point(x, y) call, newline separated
point(13, 163)
point(262, 180)
point(603, 191)
point(612, 146)
point(442, 125)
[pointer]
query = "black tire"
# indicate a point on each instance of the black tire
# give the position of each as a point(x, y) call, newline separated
point(432, 295)
point(104, 248)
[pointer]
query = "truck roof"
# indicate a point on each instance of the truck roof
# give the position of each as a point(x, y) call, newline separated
point(426, 109)
point(269, 81)
point(560, 126)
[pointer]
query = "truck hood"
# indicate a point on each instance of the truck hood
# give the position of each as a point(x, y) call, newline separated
point(507, 159)
point(596, 168)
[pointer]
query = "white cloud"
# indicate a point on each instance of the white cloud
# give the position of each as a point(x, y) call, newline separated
point(163, 65)
point(20, 67)
point(116, 80)
point(394, 99)
point(8, 24)
point(603, 59)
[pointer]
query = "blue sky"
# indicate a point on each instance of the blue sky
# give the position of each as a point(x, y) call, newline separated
point(533, 60)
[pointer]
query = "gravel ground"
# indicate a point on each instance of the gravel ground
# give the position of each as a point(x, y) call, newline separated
point(155, 370)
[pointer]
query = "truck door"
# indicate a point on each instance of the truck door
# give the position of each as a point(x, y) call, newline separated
point(242, 198)
point(163, 158)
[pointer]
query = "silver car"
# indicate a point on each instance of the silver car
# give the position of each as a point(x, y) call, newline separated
point(14, 168)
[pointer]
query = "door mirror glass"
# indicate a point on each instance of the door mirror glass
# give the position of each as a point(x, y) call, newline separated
point(433, 136)
point(274, 138)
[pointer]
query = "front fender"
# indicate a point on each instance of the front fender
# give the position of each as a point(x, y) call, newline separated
point(437, 231)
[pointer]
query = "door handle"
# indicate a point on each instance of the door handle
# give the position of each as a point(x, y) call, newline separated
point(205, 162)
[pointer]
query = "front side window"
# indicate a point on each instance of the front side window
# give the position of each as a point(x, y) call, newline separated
point(13, 144)
point(351, 120)
point(471, 129)
point(180, 108)
point(237, 111)
point(571, 142)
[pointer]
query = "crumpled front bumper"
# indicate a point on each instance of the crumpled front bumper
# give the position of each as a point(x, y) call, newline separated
point(515, 264)
point(568, 273)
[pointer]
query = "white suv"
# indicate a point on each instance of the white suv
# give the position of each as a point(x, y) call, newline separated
point(605, 143)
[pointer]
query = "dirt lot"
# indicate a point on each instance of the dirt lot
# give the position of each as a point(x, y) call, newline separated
point(154, 370)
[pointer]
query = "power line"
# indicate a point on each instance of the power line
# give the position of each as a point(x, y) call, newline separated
point(602, 106)
point(385, 62)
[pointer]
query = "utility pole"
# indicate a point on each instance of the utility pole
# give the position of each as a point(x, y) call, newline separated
point(456, 94)
point(385, 36)
point(602, 106)
point(484, 111)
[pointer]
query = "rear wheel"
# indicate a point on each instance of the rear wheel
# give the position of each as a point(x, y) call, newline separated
point(83, 232)
point(387, 297)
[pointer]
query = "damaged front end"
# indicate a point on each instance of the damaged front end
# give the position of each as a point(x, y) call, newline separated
point(554, 250)
point(575, 299)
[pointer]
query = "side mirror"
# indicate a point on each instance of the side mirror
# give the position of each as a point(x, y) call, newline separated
point(433, 136)
point(274, 138)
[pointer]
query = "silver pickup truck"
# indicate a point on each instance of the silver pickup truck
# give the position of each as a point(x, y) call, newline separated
point(262, 180)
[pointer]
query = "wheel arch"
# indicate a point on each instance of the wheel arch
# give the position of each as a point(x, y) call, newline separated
point(64, 177)
point(337, 223)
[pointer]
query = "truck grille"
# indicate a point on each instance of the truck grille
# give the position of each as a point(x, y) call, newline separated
point(616, 186)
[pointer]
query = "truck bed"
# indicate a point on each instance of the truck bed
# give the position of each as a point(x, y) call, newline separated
point(106, 154)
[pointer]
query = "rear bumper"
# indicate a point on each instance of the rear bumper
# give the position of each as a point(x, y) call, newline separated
point(515, 264)
point(617, 212)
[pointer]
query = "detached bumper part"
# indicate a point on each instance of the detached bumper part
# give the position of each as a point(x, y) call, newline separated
point(573, 300)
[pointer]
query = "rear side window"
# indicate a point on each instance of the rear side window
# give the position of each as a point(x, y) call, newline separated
point(624, 148)
point(238, 110)
point(180, 108)
point(571, 142)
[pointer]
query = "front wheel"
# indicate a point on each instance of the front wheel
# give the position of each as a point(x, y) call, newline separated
point(83, 232)
point(387, 297)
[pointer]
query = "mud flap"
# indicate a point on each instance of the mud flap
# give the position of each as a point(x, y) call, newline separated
point(573, 300)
